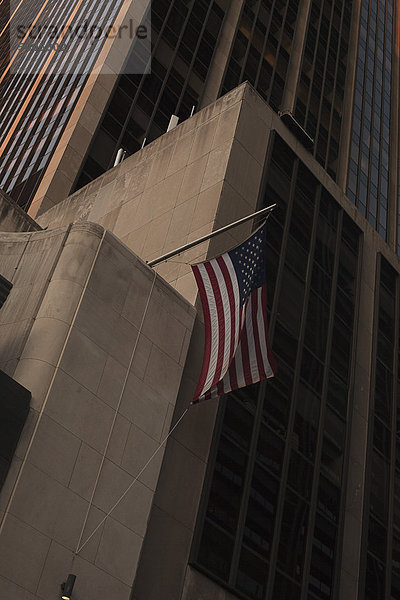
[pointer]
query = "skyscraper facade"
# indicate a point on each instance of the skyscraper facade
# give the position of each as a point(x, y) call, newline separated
point(331, 65)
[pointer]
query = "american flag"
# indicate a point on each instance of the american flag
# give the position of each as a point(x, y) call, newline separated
point(233, 295)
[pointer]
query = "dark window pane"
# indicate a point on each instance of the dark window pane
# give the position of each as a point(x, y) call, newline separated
point(302, 212)
point(379, 487)
point(238, 422)
point(270, 449)
point(296, 257)
point(377, 539)
point(293, 535)
point(285, 589)
point(333, 444)
point(322, 558)
point(386, 313)
point(261, 512)
point(227, 485)
point(341, 346)
point(383, 392)
point(285, 345)
point(382, 438)
point(344, 307)
point(337, 394)
point(328, 502)
point(321, 282)
point(325, 246)
point(290, 310)
point(396, 503)
point(277, 400)
point(252, 575)
point(312, 370)
point(375, 580)
point(215, 551)
point(317, 325)
point(396, 568)
point(300, 474)
point(306, 421)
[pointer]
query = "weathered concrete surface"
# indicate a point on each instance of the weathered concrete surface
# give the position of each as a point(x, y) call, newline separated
point(13, 218)
point(100, 340)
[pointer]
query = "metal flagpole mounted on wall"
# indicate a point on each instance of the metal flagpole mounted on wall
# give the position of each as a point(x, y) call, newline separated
point(259, 213)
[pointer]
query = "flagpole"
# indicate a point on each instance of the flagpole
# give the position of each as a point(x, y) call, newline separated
point(259, 213)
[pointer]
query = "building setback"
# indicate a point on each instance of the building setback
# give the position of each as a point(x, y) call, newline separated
point(290, 488)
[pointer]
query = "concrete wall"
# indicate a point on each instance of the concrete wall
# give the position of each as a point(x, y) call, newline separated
point(201, 175)
point(13, 218)
point(102, 401)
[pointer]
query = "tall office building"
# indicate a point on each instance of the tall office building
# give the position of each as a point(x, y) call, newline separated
point(330, 65)
point(288, 489)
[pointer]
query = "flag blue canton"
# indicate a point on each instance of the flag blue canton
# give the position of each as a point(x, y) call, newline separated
point(249, 263)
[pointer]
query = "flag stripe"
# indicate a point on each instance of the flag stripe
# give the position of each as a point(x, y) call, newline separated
point(217, 349)
point(233, 296)
point(228, 321)
point(199, 273)
point(236, 299)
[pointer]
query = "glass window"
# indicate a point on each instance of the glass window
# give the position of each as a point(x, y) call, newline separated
point(227, 486)
point(293, 536)
point(375, 579)
point(238, 423)
point(261, 510)
point(252, 575)
point(377, 539)
point(285, 588)
point(306, 421)
point(215, 551)
point(396, 567)
point(379, 487)
point(300, 474)
point(328, 499)
point(289, 311)
point(322, 558)
point(270, 450)
point(333, 444)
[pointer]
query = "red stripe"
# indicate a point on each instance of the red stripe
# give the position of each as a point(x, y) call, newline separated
point(231, 297)
point(245, 352)
point(207, 325)
point(221, 322)
point(232, 367)
point(257, 345)
point(271, 358)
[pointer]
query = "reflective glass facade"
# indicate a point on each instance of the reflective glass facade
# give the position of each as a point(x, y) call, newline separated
point(184, 36)
point(382, 503)
point(38, 100)
point(262, 47)
point(368, 176)
point(273, 505)
point(321, 84)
